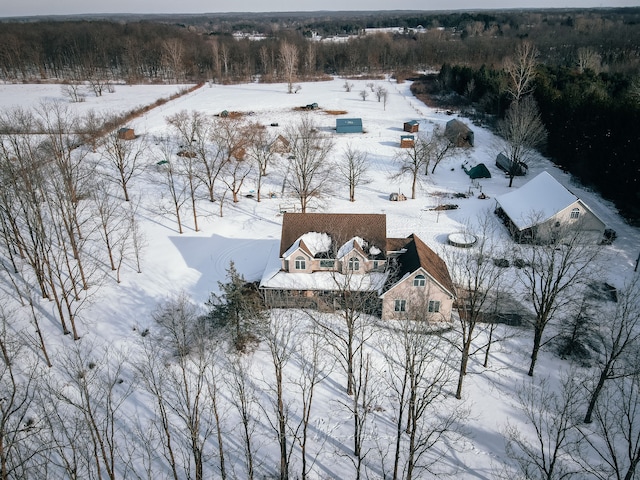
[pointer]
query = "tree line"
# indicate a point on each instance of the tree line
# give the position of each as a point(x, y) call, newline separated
point(204, 48)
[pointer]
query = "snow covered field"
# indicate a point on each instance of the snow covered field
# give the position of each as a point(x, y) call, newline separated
point(193, 263)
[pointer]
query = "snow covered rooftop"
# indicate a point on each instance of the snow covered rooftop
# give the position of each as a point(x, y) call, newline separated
point(536, 201)
point(274, 278)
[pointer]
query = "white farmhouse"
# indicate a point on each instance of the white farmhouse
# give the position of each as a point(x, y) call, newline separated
point(542, 207)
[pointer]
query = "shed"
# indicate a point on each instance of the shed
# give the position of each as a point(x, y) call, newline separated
point(126, 134)
point(411, 126)
point(348, 125)
point(407, 141)
point(479, 171)
point(504, 163)
point(459, 133)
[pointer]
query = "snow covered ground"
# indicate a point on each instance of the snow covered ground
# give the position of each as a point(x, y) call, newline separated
point(194, 262)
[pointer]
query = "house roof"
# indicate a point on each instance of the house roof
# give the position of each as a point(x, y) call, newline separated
point(536, 201)
point(418, 255)
point(341, 227)
point(457, 126)
point(349, 121)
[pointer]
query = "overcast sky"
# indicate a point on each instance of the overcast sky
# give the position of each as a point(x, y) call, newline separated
point(52, 7)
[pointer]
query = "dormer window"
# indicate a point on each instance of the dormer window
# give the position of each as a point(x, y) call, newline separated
point(575, 213)
point(354, 264)
point(419, 281)
point(301, 263)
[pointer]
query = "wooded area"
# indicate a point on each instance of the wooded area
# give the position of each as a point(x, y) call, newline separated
point(586, 80)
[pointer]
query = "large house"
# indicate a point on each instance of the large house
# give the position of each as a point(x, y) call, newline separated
point(323, 256)
point(542, 208)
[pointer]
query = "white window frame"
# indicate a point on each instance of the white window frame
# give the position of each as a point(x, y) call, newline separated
point(419, 281)
point(301, 263)
point(354, 264)
point(575, 214)
point(434, 306)
point(400, 305)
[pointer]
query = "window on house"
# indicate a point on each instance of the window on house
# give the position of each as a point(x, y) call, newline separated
point(575, 213)
point(354, 264)
point(434, 306)
point(400, 306)
point(327, 263)
point(301, 263)
point(419, 281)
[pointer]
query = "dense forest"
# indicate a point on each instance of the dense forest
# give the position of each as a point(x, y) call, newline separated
point(586, 80)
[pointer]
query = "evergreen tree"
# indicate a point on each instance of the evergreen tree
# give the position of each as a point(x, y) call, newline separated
point(238, 309)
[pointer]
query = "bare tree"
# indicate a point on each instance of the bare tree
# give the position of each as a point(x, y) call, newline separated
point(110, 219)
point(614, 440)
point(289, 61)
point(552, 276)
point(418, 380)
point(428, 149)
point(154, 376)
point(353, 169)
point(315, 367)
point(280, 339)
point(230, 137)
point(190, 131)
point(190, 355)
point(546, 453)
point(173, 52)
point(19, 424)
point(138, 239)
point(347, 86)
point(521, 70)
point(355, 295)
point(588, 59)
point(380, 92)
point(309, 164)
point(168, 176)
point(364, 94)
point(360, 407)
point(521, 132)
point(74, 91)
point(95, 388)
point(243, 398)
point(477, 280)
point(235, 173)
point(260, 150)
point(125, 157)
point(618, 343)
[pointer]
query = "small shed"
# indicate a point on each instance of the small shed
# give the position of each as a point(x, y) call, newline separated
point(459, 133)
point(397, 197)
point(479, 171)
point(411, 126)
point(126, 134)
point(348, 125)
point(505, 164)
point(407, 141)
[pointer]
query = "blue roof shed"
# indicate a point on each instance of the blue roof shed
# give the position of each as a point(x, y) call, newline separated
point(348, 125)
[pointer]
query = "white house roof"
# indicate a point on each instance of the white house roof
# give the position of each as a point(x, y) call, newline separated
point(325, 281)
point(273, 277)
point(536, 201)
